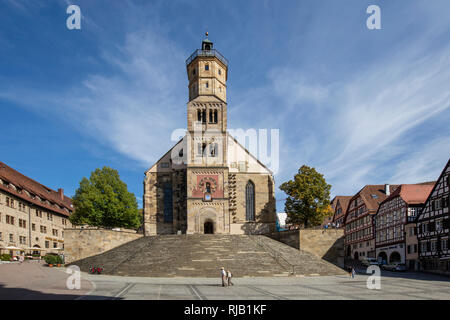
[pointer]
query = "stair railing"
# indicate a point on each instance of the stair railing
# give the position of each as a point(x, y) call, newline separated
point(275, 254)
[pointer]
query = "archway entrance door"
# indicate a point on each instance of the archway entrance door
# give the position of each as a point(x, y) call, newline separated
point(208, 227)
point(394, 257)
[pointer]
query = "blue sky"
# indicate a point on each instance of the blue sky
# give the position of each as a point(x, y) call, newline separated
point(361, 106)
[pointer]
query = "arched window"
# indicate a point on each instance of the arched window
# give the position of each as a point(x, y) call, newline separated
point(168, 206)
point(250, 201)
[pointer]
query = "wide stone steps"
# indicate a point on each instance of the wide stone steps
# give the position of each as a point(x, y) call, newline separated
point(203, 256)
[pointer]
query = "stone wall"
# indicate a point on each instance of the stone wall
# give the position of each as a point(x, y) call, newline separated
point(327, 245)
point(290, 237)
point(85, 242)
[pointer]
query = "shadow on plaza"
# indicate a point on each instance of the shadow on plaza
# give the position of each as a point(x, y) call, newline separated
point(411, 275)
point(27, 294)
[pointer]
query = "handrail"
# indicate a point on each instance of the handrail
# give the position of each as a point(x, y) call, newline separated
point(207, 53)
point(275, 254)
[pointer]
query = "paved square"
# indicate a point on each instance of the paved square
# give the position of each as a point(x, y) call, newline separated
point(33, 280)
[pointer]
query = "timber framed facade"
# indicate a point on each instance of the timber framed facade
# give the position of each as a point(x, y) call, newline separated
point(433, 227)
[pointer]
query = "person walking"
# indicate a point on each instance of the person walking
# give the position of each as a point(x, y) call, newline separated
point(224, 276)
point(353, 273)
point(229, 276)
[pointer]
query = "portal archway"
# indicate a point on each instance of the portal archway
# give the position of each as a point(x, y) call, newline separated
point(208, 227)
point(394, 257)
point(382, 257)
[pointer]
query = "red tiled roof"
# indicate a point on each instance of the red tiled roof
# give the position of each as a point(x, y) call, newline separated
point(372, 195)
point(343, 201)
point(413, 193)
point(14, 177)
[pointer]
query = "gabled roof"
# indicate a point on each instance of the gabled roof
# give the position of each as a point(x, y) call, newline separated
point(372, 195)
point(412, 193)
point(343, 201)
point(17, 179)
point(434, 187)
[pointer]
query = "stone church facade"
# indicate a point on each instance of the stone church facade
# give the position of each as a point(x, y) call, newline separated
point(208, 182)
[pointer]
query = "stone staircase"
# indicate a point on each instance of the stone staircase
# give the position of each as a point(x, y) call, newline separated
point(204, 255)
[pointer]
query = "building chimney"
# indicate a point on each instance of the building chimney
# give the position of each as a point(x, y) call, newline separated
point(387, 190)
point(61, 193)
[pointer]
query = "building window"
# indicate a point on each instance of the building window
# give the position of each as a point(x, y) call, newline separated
point(43, 229)
point(250, 201)
point(11, 237)
point(1, 237)
point(9, 219)
point(33, 227)
point(22, 223)
point(49, 216)
point(168, 205)
point(207, 84)
point(55, 244)
point(206, 67)
point(201, 147)
point(444, 244)
point(433, 245)
point(47, 244)
point(423, 247)
point(213, 149)
point(438, 225)
point(55, 232)
point(220, 71)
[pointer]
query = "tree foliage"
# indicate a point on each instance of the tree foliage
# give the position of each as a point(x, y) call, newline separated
point(103, 200)
point(308, 200)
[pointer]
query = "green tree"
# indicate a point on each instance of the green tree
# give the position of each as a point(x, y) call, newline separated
point(308, 198)
point(103, 200)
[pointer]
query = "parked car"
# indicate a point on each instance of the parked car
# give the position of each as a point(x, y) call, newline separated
point(394, 267)
point(370, 262)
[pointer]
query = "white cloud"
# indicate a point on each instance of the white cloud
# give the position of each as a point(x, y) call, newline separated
point(134, 110)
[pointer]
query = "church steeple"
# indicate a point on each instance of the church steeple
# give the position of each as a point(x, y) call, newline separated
point(207, 72)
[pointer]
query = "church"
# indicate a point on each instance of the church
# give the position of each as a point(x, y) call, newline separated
point(208, 183)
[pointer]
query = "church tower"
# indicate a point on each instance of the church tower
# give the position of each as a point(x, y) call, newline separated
point(208, 182)
point(207, 170)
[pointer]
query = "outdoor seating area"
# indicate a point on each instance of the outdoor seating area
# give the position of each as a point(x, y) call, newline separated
point(13, 253)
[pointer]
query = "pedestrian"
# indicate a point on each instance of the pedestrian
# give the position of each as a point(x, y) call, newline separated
point(229, 276)
point(224, 276)
point(349, 270)
point(21, 258)
point(353, 273)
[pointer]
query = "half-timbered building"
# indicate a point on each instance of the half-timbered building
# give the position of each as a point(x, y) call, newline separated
point(359, 233)
point(395, 224)
point(340, 208)
point(433, 227)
